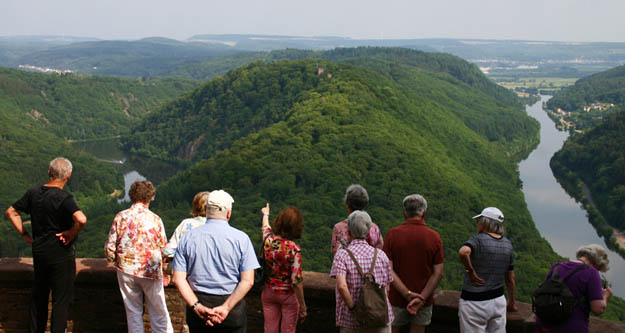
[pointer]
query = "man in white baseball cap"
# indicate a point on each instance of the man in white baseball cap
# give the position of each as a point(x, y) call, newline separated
point(492, 213)
point(488, 259)
point(214, 269)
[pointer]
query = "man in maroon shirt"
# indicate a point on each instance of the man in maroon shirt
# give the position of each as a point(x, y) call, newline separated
point(416, 255)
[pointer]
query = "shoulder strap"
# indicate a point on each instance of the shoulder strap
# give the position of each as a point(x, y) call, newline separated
point(355, 262)
point(554, 273)
point(375, 256)
point(579, 268)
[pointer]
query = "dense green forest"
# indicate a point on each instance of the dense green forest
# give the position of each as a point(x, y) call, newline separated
point(84, 106)
point(211, 117)
point(396, 121)
point(597, 158)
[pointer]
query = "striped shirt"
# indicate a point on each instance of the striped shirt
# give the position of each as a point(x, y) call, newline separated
point(491, 258)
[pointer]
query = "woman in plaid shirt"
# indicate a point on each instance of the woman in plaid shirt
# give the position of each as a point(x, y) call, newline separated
point(348, 279)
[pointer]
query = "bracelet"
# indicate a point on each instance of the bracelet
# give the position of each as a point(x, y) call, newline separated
point(265, 214)
point(409, 293)
point(195, 304)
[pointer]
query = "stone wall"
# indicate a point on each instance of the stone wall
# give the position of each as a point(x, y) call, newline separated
point(98, 306)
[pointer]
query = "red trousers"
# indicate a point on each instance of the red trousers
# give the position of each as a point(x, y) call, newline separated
point(279, 310)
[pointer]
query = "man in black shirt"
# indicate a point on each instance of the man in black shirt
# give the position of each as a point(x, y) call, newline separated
point(55, 220)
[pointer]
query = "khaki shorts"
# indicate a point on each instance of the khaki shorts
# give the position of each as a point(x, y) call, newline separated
point(423, 317)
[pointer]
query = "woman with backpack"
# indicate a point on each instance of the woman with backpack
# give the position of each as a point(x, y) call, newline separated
point(582, 278)
point(362, 274)
point(283, 293)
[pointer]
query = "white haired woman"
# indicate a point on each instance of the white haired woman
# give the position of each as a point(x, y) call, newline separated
point(349, 282)
point(584, 284)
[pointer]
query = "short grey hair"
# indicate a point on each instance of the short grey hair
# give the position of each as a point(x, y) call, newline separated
point(491, 225)
point(356, 197)
point(415, 205)
point(359, 223)
point(597, 256)
point(60, 168)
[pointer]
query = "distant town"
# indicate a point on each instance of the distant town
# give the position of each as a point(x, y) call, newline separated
point(46, 69)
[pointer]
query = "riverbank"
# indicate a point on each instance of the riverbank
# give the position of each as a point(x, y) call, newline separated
point(575, 187)
point(561, 220)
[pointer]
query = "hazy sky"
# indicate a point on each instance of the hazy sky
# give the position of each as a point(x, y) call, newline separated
point(554, 20)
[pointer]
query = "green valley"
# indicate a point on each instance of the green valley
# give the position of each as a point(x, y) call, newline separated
point(395, 120)
point(291, 127)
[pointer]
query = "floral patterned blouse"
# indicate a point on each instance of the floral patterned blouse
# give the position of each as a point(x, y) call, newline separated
point(135, 242)
point(340, 236)
point(284, 261)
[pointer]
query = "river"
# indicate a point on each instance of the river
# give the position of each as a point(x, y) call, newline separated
point(558, 217)
point(132, 167)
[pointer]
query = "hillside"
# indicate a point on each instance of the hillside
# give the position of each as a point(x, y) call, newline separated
point(606, 87)
point(39, 112)
point(27, 148)
point(141, 58)
point(83, 106)
point(412, 122)
point(453, 83)
point(597, 159)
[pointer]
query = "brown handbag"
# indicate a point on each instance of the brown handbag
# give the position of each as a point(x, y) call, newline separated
point(371, 309)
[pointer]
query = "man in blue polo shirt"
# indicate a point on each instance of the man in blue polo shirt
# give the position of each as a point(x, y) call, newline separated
point(214, 269)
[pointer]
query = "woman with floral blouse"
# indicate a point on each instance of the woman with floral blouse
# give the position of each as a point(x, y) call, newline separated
point(283, 294)
point(356, 198)
point(135, 245)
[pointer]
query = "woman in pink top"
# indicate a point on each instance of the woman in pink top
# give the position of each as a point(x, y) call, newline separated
point(283, 294)
point(356, 198)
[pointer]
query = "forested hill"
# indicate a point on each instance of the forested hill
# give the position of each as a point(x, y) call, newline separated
point(76, 106)
point(597, 158)
point(283, 134)
point(211, 118)
point(605, 87)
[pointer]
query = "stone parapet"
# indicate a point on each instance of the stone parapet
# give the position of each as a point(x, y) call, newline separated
point(98, 306)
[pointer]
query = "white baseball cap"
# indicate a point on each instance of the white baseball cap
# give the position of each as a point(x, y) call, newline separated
point(491, 213)
point(221, 199)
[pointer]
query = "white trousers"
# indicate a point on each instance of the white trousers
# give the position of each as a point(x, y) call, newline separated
point(483, 316)
point(133, 289)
